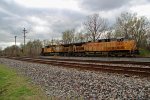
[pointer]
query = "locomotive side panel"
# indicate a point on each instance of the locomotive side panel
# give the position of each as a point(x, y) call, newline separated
point(96, 48)
point(47, 51)
point(113, 48)
point(79, 49)
point(130, 45)
point(58, 48)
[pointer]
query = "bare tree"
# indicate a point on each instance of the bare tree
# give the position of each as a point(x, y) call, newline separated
point(33, 48)
point(109, 33)
point(57, 41)
point(46, 42)
point(95, 25)
point(129, 25)
point(1, 51)
point(139, 31)
point(87, 37)
point(124, 23)
point(54, 42)
point(148, 44)
point(68, 36)
point(51, 42)
point(79, 37)
point(12, 51)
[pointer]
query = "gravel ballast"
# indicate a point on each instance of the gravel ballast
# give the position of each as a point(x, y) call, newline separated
point(68, 83)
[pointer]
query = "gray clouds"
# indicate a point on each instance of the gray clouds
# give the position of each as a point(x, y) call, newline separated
point(46, 23)
point(41, 23)
point(108, 5)
point(100, 5)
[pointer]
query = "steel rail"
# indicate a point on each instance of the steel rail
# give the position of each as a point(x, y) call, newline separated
point(108, 68)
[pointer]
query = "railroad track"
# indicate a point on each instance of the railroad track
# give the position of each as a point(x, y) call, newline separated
point(98, 61)
point(94, 65)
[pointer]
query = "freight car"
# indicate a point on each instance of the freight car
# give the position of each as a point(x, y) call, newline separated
point(103, 47)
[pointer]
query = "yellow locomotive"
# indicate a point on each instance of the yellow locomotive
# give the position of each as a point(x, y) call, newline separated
point(103, 47)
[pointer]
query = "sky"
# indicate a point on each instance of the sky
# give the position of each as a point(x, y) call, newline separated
point(47, 19)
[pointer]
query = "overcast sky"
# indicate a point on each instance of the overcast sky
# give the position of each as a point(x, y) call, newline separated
point(47, 19)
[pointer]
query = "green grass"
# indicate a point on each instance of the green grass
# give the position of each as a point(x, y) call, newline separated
point(144, 52)
point(14, 87)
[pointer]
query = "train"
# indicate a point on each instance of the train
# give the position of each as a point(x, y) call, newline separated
point(102, 47)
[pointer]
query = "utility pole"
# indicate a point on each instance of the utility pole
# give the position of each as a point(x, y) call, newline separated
point(15, 40)
point(24, 32)
point(15, 46)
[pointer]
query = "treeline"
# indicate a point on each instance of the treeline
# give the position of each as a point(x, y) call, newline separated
point(32, 48)
point(127, 25)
